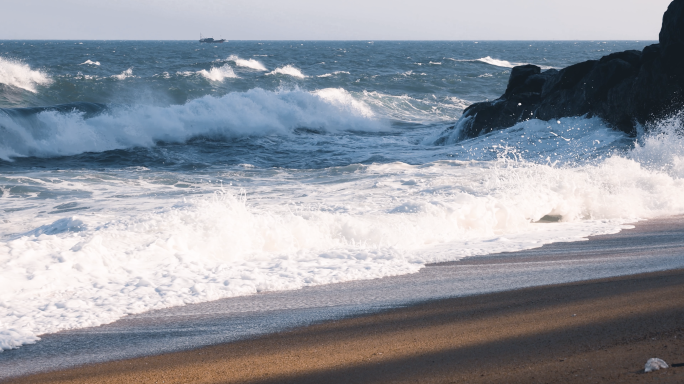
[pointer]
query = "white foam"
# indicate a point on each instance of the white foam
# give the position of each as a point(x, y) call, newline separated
point(345, 100)
point(498, 63)
point(252, 113)
point(334, 73)
point(90, 62)
point(406, 108)
point(663, 149)
point(362, 222)
point(501, 63)
point(219, 73)
point(124, 75)
point(459, 103)
point(288, 70)
point(20, 75)
point(14, 338)
point(247, 63)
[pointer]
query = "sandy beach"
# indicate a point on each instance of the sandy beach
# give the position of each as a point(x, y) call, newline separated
point(594, 331)
point(600, 331)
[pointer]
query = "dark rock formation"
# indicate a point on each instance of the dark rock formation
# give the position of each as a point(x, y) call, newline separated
point(624, 88)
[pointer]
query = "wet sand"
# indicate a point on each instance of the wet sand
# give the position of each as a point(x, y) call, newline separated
point(600, 331)
point(591, 331)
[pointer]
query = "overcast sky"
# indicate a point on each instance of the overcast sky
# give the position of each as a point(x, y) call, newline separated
point(333, 20)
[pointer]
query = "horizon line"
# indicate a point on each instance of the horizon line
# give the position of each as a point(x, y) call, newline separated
point(364, 40)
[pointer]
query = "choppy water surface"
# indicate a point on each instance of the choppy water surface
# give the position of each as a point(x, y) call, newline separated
point(142, 175)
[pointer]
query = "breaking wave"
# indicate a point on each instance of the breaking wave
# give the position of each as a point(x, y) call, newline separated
point(20, 75)
point(288, 70)
point(247, 63)
point(222, 245)
point(500, 63)
point(219, 73)
point(124, 75)
point(253, 113)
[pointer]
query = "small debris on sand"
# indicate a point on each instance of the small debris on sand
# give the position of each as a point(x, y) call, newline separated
point(655, 364)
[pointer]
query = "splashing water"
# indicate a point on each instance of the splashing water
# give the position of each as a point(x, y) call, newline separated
point(20, 75)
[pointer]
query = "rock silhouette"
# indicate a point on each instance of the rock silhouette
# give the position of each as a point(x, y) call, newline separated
point(625, 89)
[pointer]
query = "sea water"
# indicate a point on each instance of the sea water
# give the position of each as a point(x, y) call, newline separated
point(143, 175)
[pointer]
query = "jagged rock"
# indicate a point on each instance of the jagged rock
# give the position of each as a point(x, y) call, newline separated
point(623, 88)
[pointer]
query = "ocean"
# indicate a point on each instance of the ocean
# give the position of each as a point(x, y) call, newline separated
point(139, 175)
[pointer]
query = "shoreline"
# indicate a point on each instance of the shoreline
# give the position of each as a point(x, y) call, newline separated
point(628, 246)
point(592, 331)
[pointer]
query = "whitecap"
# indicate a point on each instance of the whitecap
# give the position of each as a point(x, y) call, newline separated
point(124, 75)
point(288, 70)
point(253, 113)
point(409, 109)
point(334, 73)
point(499, 63)
point(219, 73)
point(247, 63)
point(345, 100)
point(20, 75)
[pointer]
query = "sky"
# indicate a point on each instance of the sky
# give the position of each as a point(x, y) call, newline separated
point(332, 20)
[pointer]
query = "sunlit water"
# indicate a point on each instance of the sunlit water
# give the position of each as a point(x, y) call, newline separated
point(143, 175)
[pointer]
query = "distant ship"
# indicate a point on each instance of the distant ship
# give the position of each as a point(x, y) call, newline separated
point(210, 40)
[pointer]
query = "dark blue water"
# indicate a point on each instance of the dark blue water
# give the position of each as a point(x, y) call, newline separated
point(402, 90)
point(372, 66)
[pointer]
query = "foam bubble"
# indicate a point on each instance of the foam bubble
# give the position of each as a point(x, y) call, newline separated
point(247, 63)
point(288, 70)
point(90, 62)
point(20, 75)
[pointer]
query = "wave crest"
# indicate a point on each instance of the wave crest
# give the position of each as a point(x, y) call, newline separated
point(219, 73)
point(124, 75)
point(247, 63)
point(334, 73)
point(500, 63)
point(288, 70)
point(253, 113)
point(20, 75)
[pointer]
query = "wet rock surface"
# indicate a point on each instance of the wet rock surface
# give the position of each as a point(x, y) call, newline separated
point(626, 89)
